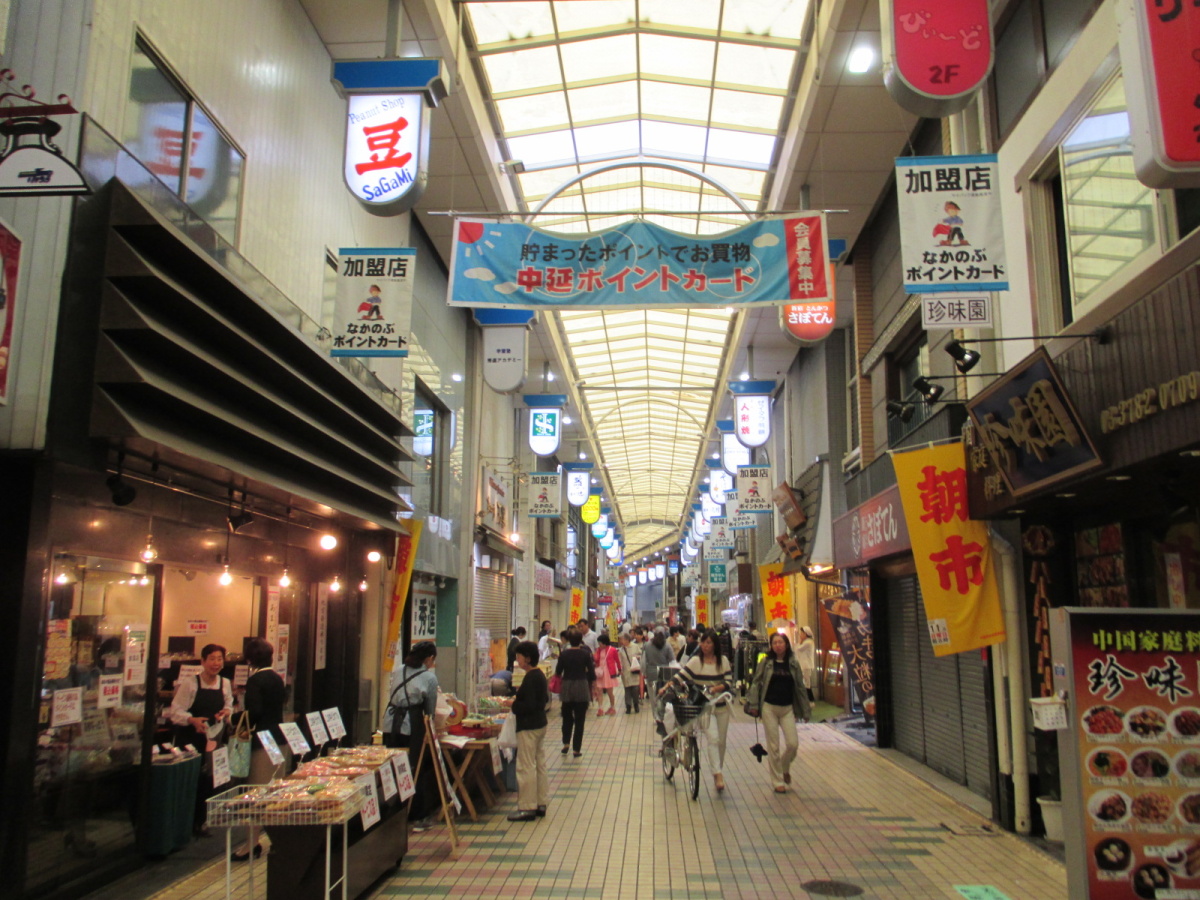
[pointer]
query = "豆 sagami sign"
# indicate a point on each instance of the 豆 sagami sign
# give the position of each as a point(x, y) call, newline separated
point(387, 131)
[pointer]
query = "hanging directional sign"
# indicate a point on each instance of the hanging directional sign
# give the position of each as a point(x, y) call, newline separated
point(590, 511)
point(579, 477)
point(545, 495)
point(600, 526)
point(719, 481)
point(722, 534)
point(713, 554)
point(754, 489)
point(752, 411)
point(545, 422)
point(505, 346)
point(717, 574)
point(733, 452)
point(708, 506)
point(703, 525)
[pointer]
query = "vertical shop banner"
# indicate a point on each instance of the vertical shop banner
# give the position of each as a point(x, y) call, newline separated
point(779, 609)
point(1130, 757)
point(703, 613)
point(322, 631)
point(639, 264)
point(577, 605)
point(1160, 51)
point(953, 553)
point(754, 490)
point(545, 495)
point(424, 612)
point(497, 512)
point(10, 268)
point(373, 306)
point(851, 618)
point(406, 554)
point(282, 649)
point(951, 228)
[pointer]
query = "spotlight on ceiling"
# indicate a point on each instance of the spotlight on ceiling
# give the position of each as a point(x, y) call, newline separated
point(898, 410)
point(927, 389)
point(964, 359)
point(328, 541)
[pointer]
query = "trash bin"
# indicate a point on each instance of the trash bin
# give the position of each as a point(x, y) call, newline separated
point(172, 807)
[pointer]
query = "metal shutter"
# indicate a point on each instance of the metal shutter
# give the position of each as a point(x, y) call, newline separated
point(493, 603)
point(942, 705)
point(908, 719)
point(976, 743)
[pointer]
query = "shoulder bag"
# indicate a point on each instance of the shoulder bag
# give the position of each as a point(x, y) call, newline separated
point(240, 746)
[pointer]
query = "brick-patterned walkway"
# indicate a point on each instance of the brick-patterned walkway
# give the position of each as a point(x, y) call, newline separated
point(617, 829)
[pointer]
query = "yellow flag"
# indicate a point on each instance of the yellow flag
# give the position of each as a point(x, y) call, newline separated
point(779, 610)
point(406, 554)
point(702, 614)
point(577, 609)
point(953, 553)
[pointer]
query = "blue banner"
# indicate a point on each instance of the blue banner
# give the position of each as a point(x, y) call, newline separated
point(637, 264)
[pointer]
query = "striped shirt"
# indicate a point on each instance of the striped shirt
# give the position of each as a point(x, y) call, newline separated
point(705, 675)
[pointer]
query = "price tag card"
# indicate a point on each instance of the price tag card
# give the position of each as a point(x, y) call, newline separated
point(497, 765)
point(68, 707)
point(295, 738)
point(110, 691)
point(404, 779)
point(388, 780)
point(333, 721)
point(370, 811)
point(220, 767)
point(316, 729)
point(241, 674)
point(268, 741)
point(135, 663)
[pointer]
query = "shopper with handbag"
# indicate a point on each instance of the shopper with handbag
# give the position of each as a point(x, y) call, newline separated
point(608, 670)
point(779, 694)
point(631, 673)
point(577, 669)
point(266, 695)
point(529, 710)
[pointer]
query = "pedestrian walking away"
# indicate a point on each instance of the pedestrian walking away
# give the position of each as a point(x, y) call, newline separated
point(577, 669)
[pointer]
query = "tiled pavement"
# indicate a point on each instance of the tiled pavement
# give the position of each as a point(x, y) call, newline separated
point(617, 829)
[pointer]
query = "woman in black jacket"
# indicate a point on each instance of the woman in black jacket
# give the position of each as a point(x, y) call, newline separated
point(577, 669)
point(266, 695)
point(529, 706)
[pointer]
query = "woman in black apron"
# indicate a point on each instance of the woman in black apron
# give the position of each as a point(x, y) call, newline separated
point(199, 702)
point(412, 697)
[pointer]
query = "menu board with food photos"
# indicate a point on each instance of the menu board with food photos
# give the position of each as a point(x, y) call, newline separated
point(1100, 567)
point(1130, 765)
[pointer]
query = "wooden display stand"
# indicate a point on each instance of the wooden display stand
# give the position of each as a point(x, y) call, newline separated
point(431, 748)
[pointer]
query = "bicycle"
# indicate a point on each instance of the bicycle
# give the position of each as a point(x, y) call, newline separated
point(681, 748)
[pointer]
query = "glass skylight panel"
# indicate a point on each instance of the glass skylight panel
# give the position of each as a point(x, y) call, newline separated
point(548, 147)
point(677, 57)
point(739, 145)
point(578, 15)
point(702, 14)
point(603, 101)
point(512, 20)
point(522, 69)
point(614, 139)
point(753, 65)
point(777, 18)
point(745, 109)
point(673, 140)
point(672, 200)
point(620, 198)
point(675, 101)
point(536, 111)
point(606, 57)
point(539, 183)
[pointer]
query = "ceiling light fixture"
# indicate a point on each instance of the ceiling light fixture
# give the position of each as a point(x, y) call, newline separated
point(285, 579)
point(362, 585)
point(149, 553)
point(335, 585)
point(456, 376)
point(226, 579)
point(860, 60)
point(328, 541)
point(374, 556)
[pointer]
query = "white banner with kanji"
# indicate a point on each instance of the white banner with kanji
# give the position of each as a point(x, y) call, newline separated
point(373, 306)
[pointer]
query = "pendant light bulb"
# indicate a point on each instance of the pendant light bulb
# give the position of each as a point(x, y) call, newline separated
point(362, 585)
point(336, 585)
point(374, 556)
point(149, 554)
point(61, 578)
point(284, 580)
point(226, 579)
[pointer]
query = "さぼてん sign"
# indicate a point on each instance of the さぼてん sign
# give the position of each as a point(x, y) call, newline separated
point(639, 264)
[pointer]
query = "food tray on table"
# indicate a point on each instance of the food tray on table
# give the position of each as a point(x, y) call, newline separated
point(303, 801)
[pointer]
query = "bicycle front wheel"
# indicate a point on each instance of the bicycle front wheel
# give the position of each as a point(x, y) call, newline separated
point(667, 751)
point(693, 766)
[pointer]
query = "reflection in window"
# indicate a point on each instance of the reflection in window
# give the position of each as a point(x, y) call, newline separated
point(1110, 215)
point(429, 450)
point(178, 141)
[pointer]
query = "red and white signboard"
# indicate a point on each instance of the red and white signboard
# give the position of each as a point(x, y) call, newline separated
point(1160, 59)
point(808, 323)
point(384, 143)
point(936, 53)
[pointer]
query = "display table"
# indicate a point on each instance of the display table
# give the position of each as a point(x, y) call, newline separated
point(171, 812)
point(474, 770)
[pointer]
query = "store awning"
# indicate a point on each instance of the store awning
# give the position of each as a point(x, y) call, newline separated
point(497, 544)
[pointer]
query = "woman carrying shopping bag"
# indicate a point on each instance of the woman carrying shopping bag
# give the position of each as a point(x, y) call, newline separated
point(779, 694)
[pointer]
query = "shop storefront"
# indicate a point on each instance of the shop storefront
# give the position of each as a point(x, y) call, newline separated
point(1097, 454)
point(210, 477)
point(932, 709)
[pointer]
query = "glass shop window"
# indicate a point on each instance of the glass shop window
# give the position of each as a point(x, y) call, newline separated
point(430, 448)
point(177, 140)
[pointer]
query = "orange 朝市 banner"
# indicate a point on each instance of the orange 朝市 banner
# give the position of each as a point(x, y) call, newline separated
point(577, 610)
point(406, 554)
point(953, 553)
point(702, 613)
point(779, 610)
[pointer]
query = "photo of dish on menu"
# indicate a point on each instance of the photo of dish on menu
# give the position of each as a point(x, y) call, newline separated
point(1137, 687)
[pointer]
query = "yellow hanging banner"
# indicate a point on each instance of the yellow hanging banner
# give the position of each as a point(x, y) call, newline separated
point(577, 610)
point(779, 610)
point(953, 553)
point(702, 613)
point(406, 554)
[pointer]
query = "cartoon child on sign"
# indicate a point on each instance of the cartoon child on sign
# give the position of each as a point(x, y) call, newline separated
point(370, 307)
point(950, 228)
point(753, 491)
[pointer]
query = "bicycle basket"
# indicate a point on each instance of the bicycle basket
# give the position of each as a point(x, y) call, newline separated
point(685, 712)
